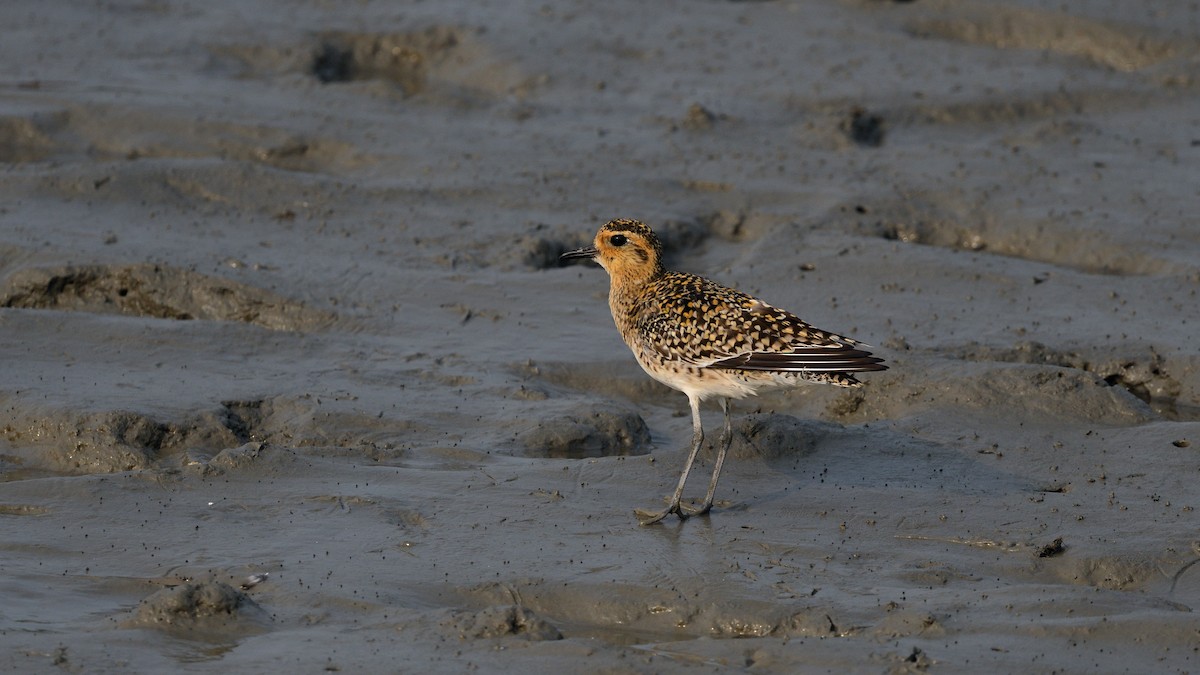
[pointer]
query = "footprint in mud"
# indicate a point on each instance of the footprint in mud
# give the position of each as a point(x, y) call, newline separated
point(505, 621)
point(646, 614)
point(1115, 572)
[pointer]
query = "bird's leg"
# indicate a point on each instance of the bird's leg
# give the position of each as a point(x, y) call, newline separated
point(649, 518)
point(724, 442)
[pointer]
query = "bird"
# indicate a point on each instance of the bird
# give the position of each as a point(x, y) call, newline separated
point(708, 340)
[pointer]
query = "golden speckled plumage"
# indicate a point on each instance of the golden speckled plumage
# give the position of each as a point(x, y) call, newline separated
point(682, 321)
point(707, 340)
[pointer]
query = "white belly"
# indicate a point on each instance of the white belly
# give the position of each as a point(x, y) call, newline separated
point(705, 383)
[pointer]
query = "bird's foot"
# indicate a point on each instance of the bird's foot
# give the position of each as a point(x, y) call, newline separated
point(702, 510)
point(651, 517)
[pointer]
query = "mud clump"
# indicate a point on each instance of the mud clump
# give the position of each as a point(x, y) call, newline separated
point(594, 433)
point(401, 58)
point(86, 443)
point(541, 249)
point(202, 606)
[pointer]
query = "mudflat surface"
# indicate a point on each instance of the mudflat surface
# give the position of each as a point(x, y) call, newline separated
point(294, 381)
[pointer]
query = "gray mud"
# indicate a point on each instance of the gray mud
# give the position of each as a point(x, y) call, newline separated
point(294, 380)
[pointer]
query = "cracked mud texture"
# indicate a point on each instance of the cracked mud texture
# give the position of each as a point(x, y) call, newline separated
point(294, 378)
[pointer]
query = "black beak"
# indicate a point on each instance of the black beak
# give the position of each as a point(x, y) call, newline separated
point(588, 252)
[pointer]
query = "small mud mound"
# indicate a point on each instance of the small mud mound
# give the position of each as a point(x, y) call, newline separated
point(540, 249)
point(200, 610)
point(99, 442)
point(155, 291)
point(499, 622)
point(1120, 47)
point(698, 118)
point(404, 59)
point(773, 436)
point(585, 432)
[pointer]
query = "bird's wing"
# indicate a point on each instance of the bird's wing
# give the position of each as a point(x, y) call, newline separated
point(843, 359)
point(712, 326)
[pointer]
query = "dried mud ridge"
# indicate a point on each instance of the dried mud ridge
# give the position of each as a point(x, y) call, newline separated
point(1143, 373)
point(934, 221)
point(233, 436)
point(1116, 46)
point(155, 291)
point(1047, 385)
point(439, 63)
point(81, 133)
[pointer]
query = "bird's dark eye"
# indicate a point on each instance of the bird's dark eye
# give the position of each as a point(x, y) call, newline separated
point(618, 240)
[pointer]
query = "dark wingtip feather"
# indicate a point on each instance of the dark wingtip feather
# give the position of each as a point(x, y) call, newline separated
point(815, 360)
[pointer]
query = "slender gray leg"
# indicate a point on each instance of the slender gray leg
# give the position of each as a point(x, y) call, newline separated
point(725, 441)
point(649, 518)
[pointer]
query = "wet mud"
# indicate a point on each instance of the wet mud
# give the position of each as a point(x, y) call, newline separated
point(295, 379)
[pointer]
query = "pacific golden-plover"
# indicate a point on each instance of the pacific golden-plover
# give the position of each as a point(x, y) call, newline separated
point(707, 340)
